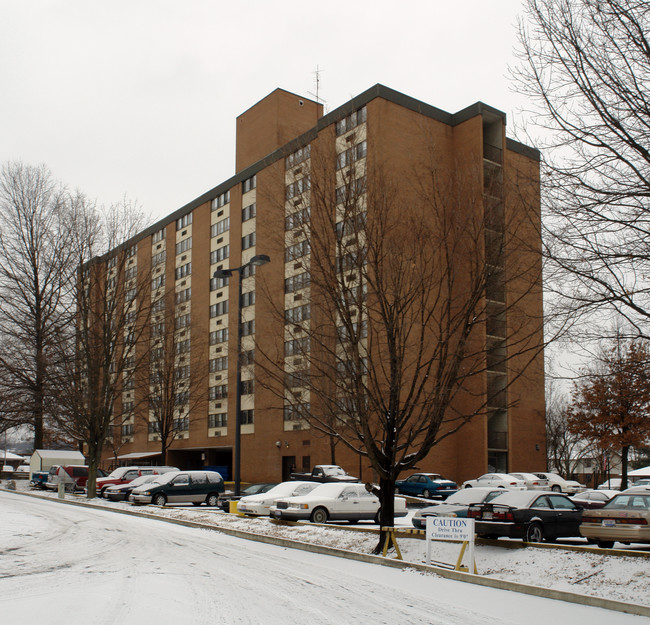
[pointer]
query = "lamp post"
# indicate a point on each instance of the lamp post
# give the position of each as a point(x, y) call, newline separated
point(256, 261)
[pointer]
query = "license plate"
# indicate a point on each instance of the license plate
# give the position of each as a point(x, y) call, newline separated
point(487, 515)
point(609, 523)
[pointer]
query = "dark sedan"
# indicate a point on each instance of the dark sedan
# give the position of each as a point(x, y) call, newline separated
point(121, 492)
point(530, 515)
point(456, 505)
point(426, 485)
point(252, 489)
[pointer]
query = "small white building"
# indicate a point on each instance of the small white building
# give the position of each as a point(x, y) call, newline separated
point(44, 459)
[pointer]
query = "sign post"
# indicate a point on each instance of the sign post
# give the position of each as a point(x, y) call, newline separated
point(451, 528)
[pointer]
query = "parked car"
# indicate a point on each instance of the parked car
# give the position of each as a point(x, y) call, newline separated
point(531, 515)
point(252, 489)
point(613, 483)
point(334, 502)
point(498, 480)
point(121, 492)
point(193, 487)
point(559, 485)
point(426, 485)
point(592, 499)
point(260, 505)
point(456, 505)
point(625, 518)
point(73, 477)
point(533, 482)
point(325, 473)
point(123, 475)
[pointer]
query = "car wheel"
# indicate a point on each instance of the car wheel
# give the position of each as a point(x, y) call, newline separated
point(605, 544)
point(556, 488)
point(534, 533)
point(426, 493)
point(159, 500)
point(212, 500)
point(467, 486)
point(353, 521)
point(319, 516)
point(196, 503)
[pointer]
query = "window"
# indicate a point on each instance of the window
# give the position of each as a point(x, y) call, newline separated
point(296, 413)
point(248, 358)
point(248, 241)
point(218, 392)
point(297, 219)
point(183, 271)
point(130, 295)
point(112, 262)
point(181, 398)
point(351, 121)
point(248, 212)
point(127, 430)
point(247, 417)
point(182, 373)
point(220, 227)
point(131, 251)
point(351, 155)
point(184, 245)
point(247, 387)
point(158, 258)
point(296, 188)
point(218, 283)
point(157, 329)
point(130, 273)
point(247, 299)
point(158, 236)
point(219, 420)
point(300, 155)
point(221, 200)
point(297, 282)
point(293, 252)
point(248, 271)
point(249, 184)
point(182, 347)
point(248, 327)
point(158, 282)
point(182, 322)
point(351, 191)
point(127, 406)
point(219, 364)
point(352, 225)
point(298, 314)
point(216, 310)
point(297, 378)
point(183, 296)
point(219, 254)
point(296, 346)
point(219, 336)
point(184, 221)
point(181, 425)
point(154, 427)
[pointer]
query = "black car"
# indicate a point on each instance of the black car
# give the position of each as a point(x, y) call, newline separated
point(252, 489)
point(532, 515)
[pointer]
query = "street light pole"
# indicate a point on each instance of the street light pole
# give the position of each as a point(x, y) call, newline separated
point(256, 261)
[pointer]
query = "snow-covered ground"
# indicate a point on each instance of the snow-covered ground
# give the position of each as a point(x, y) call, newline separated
point(69, 565)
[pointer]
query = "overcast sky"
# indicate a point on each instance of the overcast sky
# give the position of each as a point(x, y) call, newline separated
point(139, 97)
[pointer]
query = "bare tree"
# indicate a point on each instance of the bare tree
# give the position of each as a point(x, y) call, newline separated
point(176, 375)
point(586, 71)
point(35, 272)
point(112, 306)
point(387, 352)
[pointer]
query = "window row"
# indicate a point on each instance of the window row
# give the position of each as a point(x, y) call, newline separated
point(158, 236)
point(350, 192)
point(184, 221)
point(298, 314)
point(220, 227)
point(248, 212)
point(249, 184)
point(183, 296)
point(183, 321)
point(218, 392)
point(183, 271)
point(219, 420)
point(219, 254)
point(351, 121)
point(158, 258)
point(296, 413)
point(351, 155)
point(297, 282)
point(219, 336)
point(297, 219)
point(221, 200)
point(297, 346)
point(296, 188)
point(221, 308)
point(182, 424)
point(300, 155)
point(184, 245)
point(298, 250)
point(248, 241)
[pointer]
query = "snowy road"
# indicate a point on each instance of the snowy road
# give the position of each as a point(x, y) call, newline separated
point(65, 565)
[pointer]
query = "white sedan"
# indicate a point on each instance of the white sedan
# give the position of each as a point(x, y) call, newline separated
point(533, 482)
point(260, 505)
point(560, 485)
point(497, 480)
point(334, 502)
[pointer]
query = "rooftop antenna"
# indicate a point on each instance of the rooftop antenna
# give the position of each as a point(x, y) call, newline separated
point(316, 95)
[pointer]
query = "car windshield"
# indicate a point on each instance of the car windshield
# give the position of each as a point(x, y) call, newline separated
point(333, 471)
point(636, 501)
point(517, 499)
point(143, 479)
point(117, 473)
point(164, 478)
point(327, 490)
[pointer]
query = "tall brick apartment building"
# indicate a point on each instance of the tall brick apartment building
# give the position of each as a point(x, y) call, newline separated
point(262, 210)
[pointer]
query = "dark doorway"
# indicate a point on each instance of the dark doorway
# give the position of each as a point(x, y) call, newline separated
point(288, 467)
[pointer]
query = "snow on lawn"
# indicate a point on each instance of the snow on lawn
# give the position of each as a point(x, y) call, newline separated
point(619, 578)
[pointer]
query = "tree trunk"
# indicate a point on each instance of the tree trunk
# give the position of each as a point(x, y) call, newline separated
point(624, 455)
point(386, 511)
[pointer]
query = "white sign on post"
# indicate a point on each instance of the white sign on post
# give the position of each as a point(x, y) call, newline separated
point(450, 528)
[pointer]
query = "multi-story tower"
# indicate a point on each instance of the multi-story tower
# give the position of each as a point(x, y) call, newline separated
point(298, 174)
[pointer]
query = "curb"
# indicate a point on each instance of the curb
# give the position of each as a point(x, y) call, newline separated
point(547, 593)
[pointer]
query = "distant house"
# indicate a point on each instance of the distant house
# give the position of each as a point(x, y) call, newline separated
point(44, 459)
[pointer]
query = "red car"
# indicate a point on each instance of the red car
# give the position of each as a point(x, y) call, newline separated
point(124, 475)
point(73, 476)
